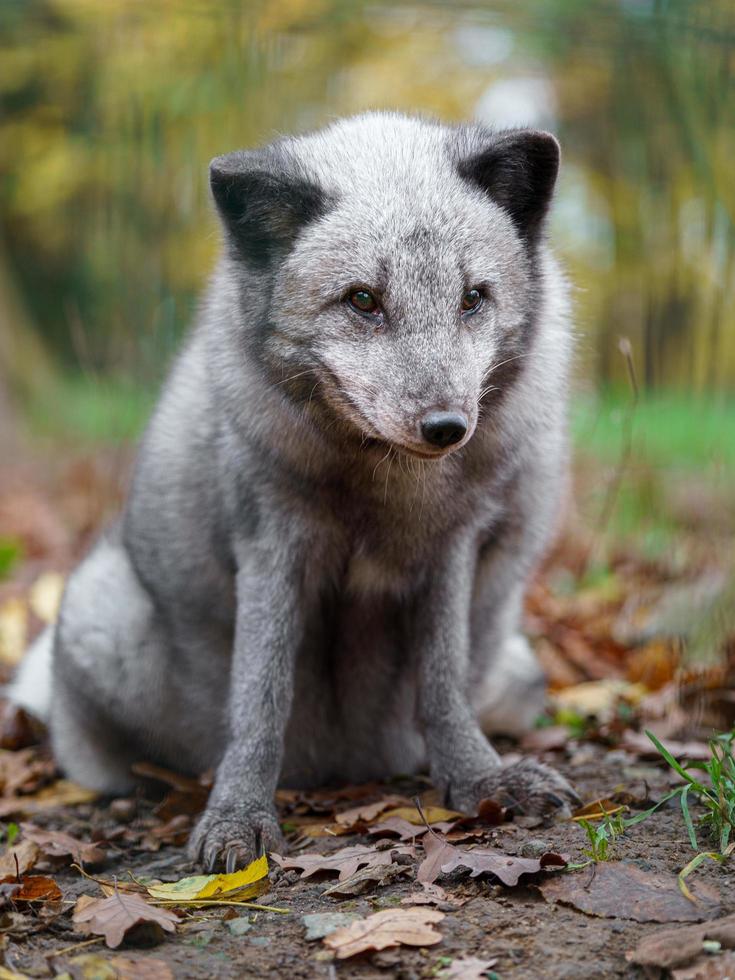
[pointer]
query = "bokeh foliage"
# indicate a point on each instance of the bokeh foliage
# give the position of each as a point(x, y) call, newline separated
point(111, 109)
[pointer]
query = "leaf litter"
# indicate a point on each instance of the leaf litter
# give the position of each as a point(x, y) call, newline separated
point(579, 636)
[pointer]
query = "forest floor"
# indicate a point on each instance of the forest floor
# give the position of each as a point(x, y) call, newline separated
point(636, 633)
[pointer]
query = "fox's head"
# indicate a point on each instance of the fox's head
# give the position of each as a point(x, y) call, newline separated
point(397, 263)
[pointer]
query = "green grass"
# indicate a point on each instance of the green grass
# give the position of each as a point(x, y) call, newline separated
point(669, 429)
point(91, 410)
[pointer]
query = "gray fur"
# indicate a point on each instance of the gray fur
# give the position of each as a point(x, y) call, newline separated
point(295, 590)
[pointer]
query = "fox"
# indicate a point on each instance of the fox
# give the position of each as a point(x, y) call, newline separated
point(357, 462)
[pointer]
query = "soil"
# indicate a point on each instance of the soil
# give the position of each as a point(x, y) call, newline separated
point(525, 935)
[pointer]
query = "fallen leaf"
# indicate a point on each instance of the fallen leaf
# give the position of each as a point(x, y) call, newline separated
point(6, 974)
point(443, 858)
point(32, 888)
point(321, 924)
point(668, 948)
point(44, 596)
point(641, 744)
point(599, 698)
point(13, 631)
point(434, 894)
point(428, 814)
point(115, 917)
point(367, 878)
point(92, 966)
point(491, 860)
point(597, 810)
point(469, 968)
point(26, 854)
point(346, 861)
point(614, 889)
point(391, 927)
point(23, 771)
point(437, 852)
point(367, 812)
point(18, 729)
point(245, 883)
point(55, 843)
point(61, 793)
point(400, 827)
point(546, 739)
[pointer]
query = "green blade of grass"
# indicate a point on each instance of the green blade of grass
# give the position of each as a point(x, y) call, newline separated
point(673, 762)
point(688, 818)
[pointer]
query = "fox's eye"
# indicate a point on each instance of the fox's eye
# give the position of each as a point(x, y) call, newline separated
point(363, 301)
point(471, 301)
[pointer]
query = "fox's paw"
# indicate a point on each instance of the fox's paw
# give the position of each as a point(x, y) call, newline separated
point(526, 787)
point(230, 837)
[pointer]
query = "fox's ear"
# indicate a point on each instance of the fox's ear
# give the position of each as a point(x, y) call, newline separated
point(518, 170)
point(261, 204)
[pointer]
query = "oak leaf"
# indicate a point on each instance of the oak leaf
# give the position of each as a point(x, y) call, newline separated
point(469, 968)
point(346, 861)
point(30, 888)
point(55, 843)
point(116, 916)
point(391, 927)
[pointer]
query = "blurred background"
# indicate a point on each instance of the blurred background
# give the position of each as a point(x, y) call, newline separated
point(110, 112)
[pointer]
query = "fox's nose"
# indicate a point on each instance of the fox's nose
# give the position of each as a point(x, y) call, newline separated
point(444, 428)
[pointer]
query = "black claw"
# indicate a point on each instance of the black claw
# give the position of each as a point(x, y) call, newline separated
point(555, 800)
point(259, 846)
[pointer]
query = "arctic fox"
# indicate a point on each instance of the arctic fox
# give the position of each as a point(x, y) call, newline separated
point(355, 465)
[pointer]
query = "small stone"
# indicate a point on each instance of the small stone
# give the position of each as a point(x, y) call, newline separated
point(240, 925)
point(123, 810)
point(534, 847)
point(321, 924)
point(260, 941)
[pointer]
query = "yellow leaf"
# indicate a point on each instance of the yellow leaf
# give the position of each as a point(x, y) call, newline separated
point(433, 814)
point(13, 631)
point(208, 886)
point(44, 597)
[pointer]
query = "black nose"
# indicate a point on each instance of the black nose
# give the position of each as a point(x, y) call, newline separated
point(443, 428)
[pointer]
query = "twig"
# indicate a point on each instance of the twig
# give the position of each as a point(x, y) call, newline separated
point(70, 949)
point(613, 488)
point(197, 902)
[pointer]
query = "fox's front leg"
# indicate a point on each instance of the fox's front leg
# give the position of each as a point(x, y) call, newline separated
point(462, 761)
point(240, 821)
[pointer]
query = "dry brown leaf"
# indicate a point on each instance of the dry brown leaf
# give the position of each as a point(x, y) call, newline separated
point(401, 828)
point(26, 853)
point(31, 888)
point(506, 867)
point(617, 890)
point(92, 966)
point(469, 968)
point(641, 744)
point(366, 879)
point(23, 771)
point(428, 814)
point(391, 927)
point(346, 861)
point(118, 915)
point(367, 812)
point(61, 793)
point(55, 843)
point(434, 894)
point(668, 948)
point(18, 729)
point(443, 858)
point(437, 852)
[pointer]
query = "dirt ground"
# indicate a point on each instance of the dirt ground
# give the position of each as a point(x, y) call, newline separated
point(525, 935)
point(616, 656)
